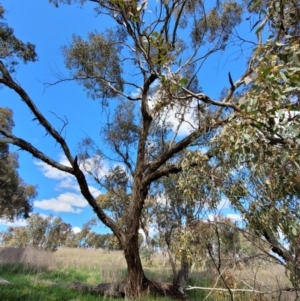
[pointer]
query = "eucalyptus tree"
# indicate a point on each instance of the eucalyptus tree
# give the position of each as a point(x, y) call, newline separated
point(150, 62)
point(272, 106)
point(256, 155)
point(174, 214)
point(15, 195)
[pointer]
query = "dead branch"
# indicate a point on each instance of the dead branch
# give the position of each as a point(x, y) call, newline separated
point(287, 289)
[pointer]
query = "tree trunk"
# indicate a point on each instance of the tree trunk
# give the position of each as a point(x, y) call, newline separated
point(135, 282)
point(183, 275)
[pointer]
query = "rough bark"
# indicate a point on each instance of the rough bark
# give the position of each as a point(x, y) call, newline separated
point(182, 276)
point(135, 282)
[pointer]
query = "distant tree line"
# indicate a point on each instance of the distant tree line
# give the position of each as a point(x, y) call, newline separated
point(50, 233)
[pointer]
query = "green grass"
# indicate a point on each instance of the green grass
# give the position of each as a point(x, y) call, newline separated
point(31, 284)
point(35, 285)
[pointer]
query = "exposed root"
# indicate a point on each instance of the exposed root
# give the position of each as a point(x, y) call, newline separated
point(117, 290)
point(112, 290)
point(166, 290)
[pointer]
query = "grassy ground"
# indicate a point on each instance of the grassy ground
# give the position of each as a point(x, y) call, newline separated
point(36, 275)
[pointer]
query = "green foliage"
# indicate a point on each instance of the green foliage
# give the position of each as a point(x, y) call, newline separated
point(12, 49)
point(254, 159)
point(203, 241)
point(15, 196)
point(96, 63)
point(216, 24)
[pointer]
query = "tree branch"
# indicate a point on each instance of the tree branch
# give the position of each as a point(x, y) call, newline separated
point(206, 99)
point(10, 83)
point(81, 180)
point(179, 146)
point(10, 138)
point(146, 122)
point(172, 169)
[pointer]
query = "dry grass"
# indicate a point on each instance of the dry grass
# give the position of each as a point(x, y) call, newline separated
point(160, 270)
point(30, 258)
point(266, 277)
point(87, 258)
point(257, 277)
point(109, 265)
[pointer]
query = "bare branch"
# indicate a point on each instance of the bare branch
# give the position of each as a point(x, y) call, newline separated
point(287, 289)
point(5, 73)
point(10, 138)
point(9, 82)
point(108, 83)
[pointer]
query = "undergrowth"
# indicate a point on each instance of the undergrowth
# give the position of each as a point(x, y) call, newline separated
point(35, 275)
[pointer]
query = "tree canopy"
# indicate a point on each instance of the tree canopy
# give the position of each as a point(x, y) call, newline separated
point(15, 196)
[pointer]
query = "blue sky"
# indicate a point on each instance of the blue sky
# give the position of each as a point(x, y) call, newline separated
point(49, 28)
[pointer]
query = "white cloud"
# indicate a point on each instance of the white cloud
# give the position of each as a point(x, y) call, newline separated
point(224, 204)
point(65, 202)
point(174, 116)
point(15, 223)
point(68, 182)
point(51, 172)
point(234, 217)
point(95, 166)
point(161, 200)
point(76, 230)
point(20, 222)
point(94, 191)
point(181, 117)
point(68, 201)
point(211, 217)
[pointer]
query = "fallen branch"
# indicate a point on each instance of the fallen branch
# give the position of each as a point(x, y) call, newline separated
point(287, 289)
point(112, 290)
